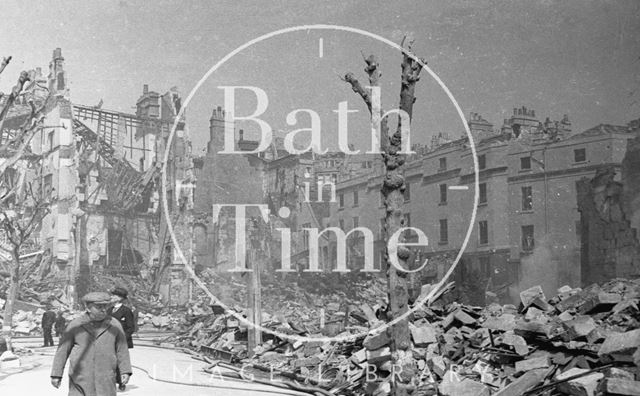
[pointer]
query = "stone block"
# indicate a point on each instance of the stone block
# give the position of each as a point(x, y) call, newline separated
point(307, 362)
point(579, 327)
point(438, 366)
point(379, 355)
point(517, 342)
point(453, 385)
point(503, 322)
point(422, 335)
point(376, 341)
point(619, 386)
point(359, 357)
point(532, 363)
point(464, 317)
point(528, 296)
point(620, 346)
point(582, 386)
point(600, 302)
point(614, 372)
point(528, 380)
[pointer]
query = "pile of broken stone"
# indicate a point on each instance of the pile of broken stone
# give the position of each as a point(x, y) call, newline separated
point(580, 342)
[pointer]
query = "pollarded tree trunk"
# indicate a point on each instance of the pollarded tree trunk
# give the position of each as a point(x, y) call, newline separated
point(393, 192)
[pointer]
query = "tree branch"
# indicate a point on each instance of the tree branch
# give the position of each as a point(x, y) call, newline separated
point(359, 89)
point(5, 62)
point(23, 79)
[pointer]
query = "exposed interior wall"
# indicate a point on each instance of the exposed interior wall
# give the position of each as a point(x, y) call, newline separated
point(610, 246)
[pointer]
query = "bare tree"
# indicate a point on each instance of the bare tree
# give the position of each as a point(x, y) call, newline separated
point(392, 190)
point(21, 210)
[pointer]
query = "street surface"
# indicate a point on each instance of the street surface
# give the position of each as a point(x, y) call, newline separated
point(156, 371)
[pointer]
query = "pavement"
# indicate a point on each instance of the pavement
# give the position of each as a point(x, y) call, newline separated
point(156, 371)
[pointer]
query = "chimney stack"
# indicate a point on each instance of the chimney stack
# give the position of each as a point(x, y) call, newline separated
point(145, 89)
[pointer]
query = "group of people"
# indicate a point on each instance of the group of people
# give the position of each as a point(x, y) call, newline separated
point(97, 346)
point(51, 320)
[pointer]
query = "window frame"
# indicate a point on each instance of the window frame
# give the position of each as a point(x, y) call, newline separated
point(444, 236)
point(443, 194)
point(442, 164)
point(526, 198)
point(483, 224)
point(482, 193)
point(482, 161)
point(527, 246)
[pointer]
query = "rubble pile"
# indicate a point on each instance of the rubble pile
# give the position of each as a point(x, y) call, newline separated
point(581, 342)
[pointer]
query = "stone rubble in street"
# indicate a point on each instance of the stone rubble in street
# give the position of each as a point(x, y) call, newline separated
point(576, 343)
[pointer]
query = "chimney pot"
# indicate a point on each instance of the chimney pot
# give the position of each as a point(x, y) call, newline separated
point(145, 89)
point(241, 134)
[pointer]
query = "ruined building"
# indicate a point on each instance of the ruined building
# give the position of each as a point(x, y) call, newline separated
point(101, 176)
point(527, 230)
point(609, 212)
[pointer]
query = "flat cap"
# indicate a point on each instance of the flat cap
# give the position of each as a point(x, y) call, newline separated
point(97, 298)
point(120, 291)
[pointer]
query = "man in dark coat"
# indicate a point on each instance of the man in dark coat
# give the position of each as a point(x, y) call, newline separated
point(48, 319)
point(124, 316)
point(60, 324)
point(96, 346)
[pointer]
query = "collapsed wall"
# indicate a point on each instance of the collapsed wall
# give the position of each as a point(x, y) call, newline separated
point(609, 215)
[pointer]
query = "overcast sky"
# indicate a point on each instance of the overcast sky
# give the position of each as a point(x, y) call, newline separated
point(575, 57)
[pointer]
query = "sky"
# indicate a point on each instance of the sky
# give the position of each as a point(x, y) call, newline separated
point(575, 57)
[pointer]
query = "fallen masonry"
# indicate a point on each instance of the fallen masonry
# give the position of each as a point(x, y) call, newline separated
point(580, 342)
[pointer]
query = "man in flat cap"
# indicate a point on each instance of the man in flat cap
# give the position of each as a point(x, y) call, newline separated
point(124, 315)
point(96, 346)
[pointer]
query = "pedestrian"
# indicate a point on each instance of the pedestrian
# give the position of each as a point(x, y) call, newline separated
point(60, 324)
point(124, 316)
point(48, 319)
point(136, 317)
point(95, 346)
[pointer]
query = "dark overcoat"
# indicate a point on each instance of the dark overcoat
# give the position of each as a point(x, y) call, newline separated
point(94, 350)
point(125, 317)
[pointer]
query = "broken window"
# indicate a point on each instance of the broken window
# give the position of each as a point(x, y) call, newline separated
point(579, 155)
point(484, 232)
point(482, 161)
point(443, 194)
point(444, 232)
point(50, 140)
point(527, 198)
point(46, 186)
point(527, 238)
point(482, 193)
point(305, 235)
point(525, 163)
point(407, 192)
point(443, 164)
